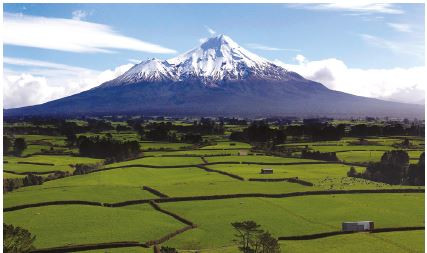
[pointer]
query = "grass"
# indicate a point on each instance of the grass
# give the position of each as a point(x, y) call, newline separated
point(398, 242)
point(258, 158)
point(304, 171)
point(293, 216)
point(229, 145)
point(125, 184)
point(161, 161)
point(78, 224)
point(10, 175)
point(61, 163)
point(161, 145)
point(124, 250)
point(52, 191)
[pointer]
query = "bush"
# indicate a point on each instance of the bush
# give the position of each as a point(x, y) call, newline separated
point(19, 146)
point(17, 239)
point(84, 168)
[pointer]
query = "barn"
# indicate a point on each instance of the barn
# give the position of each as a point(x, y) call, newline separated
point(266, 171)
point(358, 226)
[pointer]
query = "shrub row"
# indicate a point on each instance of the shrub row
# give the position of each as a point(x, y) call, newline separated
point(155, 192)
point(334, 233)
point(221, 172)
point(34, 163)
point(85, 247)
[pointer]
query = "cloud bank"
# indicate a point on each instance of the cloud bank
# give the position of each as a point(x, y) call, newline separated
point(46, 81)
point(71, 35)
point(395, 84)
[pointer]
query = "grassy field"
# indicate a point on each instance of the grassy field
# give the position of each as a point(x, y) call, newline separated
point(293, 216)
point(160, 161)
point(396, 242)
point(78, 224)
point(61, 163)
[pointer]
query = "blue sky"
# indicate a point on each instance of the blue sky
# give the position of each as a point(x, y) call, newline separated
point(366, 37)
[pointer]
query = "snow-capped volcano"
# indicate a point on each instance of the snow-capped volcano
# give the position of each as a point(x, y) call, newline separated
point(217, 59)
point(218, 78)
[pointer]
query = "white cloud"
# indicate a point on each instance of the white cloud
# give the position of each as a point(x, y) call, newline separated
point(79, 14)
point(136, 61)
point(377, 83)
point(400, 27)
point(46, 81)
point(267, 48)
point(70, 35)
point(211, 31)
point(408, 48)
point(386, 8)
point(203, 40)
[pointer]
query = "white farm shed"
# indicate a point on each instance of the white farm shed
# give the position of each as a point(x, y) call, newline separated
point(358, 226)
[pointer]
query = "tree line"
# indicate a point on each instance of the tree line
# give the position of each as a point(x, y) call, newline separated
point(394, 168)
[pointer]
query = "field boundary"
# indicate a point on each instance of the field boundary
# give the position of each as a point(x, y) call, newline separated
point(35, 163)
point(234, 176)
point(190, 225)
point(335, 233)
point(155, 192)
point(35, 172)
point(212, 197)
point(95, 246)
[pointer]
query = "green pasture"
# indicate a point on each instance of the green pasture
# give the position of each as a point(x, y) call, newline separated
point(125, 184)
point(396, 242)
point(258, 158)
point(163, 145)
point(160, 161)
point(229, 145)
point(293, 216)
point(80, 224)
point(10, 175)
point(303, 171)
point(399, 242)
point(61, 163)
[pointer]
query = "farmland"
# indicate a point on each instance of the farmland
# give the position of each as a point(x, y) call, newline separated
point(183, 190)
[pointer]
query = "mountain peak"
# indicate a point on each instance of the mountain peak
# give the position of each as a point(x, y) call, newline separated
point(216, 60)
point(218, 41)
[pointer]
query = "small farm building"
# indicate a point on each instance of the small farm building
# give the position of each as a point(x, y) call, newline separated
point(266, 171)
point(358, 226)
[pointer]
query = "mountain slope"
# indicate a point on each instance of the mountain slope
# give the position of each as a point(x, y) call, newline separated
point(219, 78)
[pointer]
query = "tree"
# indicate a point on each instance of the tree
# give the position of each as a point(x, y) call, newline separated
point(17, 239)
point(247, 233)
point(7, 143)
point(71, 140)
point(19, 146)
point(252, 239)
point(267, 244)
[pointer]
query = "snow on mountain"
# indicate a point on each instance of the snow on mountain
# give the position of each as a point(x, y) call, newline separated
point(218, 59)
